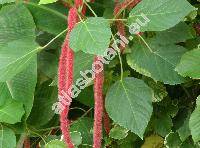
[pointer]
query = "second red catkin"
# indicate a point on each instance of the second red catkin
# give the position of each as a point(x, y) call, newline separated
point(98, 110)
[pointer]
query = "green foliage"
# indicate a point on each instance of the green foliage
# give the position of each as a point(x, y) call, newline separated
point(194, 122)
point(151, 90)
point(7, 138)
point(132, 100)
point(96, 32)
point(55, 143)
point(156, 60)
point(189, 64)
point(163, 14)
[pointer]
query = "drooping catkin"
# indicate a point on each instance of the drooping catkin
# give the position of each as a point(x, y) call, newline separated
point(118, 8)
point(98, 109)
point(66, 75)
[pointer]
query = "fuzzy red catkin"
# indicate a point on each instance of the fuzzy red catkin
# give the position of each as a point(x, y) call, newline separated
point(118, 8)
point(66, 75)
point(98, 109)
point(126, 4)
point(27, 143)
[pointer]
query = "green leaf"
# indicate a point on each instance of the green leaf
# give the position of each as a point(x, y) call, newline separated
point(162, 14)
point(16, 23)
point(175, 34)
point(46, 1)
point(86, 96)
point(118, 132)
point(129, 104)
point(190, 64)
point(11, 112)
point(7, 138)
point(47, 18)
point(184, 131)
point(55, 144)
point(163, 124)
point(48, 64)
point(22, 86)
point(91, 36)
point(159, 89)
point(82, 62)
point(153, 141)
point(156, 60)
point(76, 138)
point(17, 34)
point(84, 126)
point(45, 97)
point(172, 140)
point(194, 122)
point(6, 1)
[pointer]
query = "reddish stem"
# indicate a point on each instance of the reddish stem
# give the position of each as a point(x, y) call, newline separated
point(98, 110)
point(118, 7)
point(27, 143)
point(38, 146)
point(106, 121)
point(197, 28)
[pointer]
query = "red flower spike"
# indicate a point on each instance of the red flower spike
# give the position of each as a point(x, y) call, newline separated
point(98, 110)
point(66, 75)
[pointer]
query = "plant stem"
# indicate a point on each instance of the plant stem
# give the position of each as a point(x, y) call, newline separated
point(90, 8)
point(52, 40)
point(120, 59)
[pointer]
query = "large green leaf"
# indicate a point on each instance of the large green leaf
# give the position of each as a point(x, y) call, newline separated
point(7, 138)
point(162, 14)
point(17, 45)
point(175, 34)
point(194, 122)
point(157, 61)
point(16, 23)
point(190, 64)
point(128, 103)
point(11, 112)
point(47, 18)
point(91, 36)
point(48, 64)
point(44, 99)
point(22, 86)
